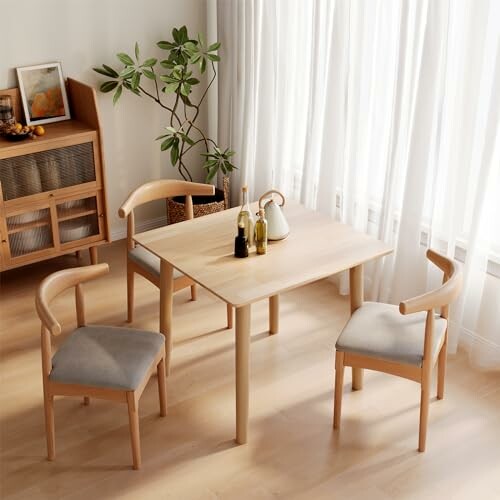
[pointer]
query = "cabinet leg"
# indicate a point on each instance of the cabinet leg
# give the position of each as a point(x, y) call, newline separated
point(93, 255)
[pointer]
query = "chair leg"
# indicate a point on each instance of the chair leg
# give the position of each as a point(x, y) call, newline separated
point(86, 400)
point(424, 413)
point(133, 417)
point(130, 295)
point(339, 385)
point(49, 426)
point(229, 316)
point(441, 370)
point(162, 386)
point(193, 292)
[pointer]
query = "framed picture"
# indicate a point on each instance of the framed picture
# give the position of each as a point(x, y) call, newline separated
point(43, 93)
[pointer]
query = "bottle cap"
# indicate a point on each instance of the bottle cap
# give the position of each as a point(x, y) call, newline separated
point(241, 225)
point(244, 188)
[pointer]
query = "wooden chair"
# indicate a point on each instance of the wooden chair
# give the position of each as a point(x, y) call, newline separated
point(406, 343)
point(140, 260)
point(102, 362)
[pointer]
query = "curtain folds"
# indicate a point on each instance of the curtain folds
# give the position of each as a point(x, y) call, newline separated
point(384, 114)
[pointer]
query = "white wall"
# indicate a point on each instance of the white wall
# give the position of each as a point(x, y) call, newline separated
point(82, 34)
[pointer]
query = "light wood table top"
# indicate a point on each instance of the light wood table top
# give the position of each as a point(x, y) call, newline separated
point(317, 247)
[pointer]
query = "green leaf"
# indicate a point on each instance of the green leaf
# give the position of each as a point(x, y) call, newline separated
point(127, 72)
point(165, 45)
point(168, 79)
point(167, 64)
point(137, 51)
point(171, 130)
point(108, 86)
point(201, 39)
point(176, 36)
point(213, 57)
point(211, 174)
point(149, 62)
point(128, 86)
point(105, 72)
point(183, 33)
point(135, 80)
point(117, 95)
point(213, 47)
point(186, 138)
point(167, 143)
point(174, 154)
point(194, 58)
point(149, 74)
point(192, 81)
point(125, 59)
point(111, 70)
point(203, 65)
point(185, 89)
point(170, 87)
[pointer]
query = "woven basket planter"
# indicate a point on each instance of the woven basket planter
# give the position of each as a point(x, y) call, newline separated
point(202, 205)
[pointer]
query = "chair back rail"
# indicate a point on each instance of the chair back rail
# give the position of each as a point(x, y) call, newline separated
point(165, 188)
point(157, 190)
point(57, 283)
point(440, 297)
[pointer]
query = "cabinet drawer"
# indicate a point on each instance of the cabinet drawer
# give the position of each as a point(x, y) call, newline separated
point(31, 174)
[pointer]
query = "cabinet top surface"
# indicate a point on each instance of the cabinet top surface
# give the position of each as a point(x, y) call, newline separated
point(53, 132)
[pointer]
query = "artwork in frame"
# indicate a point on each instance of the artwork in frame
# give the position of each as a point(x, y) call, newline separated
point(43, 93)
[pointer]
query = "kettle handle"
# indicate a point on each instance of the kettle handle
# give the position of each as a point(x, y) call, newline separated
point(271, 192)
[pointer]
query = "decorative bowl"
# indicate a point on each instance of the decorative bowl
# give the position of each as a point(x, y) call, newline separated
point(17, 137)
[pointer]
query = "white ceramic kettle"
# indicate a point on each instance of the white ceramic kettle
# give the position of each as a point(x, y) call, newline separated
point(277, 226)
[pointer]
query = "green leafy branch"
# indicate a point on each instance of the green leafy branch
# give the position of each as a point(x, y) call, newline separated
point(174, 76)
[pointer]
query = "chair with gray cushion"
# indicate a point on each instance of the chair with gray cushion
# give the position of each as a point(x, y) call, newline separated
point(405, 341)
point(104, 362)
point(142, 261)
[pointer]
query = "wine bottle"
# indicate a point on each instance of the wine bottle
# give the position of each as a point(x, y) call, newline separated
point(245, 217)
point(240, 243)
point(261, 233)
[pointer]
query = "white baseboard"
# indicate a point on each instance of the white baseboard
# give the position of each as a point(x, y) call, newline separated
point(121, 232)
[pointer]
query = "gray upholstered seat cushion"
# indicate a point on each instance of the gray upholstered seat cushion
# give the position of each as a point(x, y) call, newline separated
point(148, 260)
point(380, 331)
point(106, 356)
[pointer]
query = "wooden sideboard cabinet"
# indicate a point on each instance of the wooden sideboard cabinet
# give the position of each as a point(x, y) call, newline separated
point(52, 189)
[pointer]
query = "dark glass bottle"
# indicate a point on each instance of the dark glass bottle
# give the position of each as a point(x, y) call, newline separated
point(240, 243)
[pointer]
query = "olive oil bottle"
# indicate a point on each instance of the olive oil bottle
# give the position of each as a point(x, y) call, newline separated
point(261, 233)
point(245, 217)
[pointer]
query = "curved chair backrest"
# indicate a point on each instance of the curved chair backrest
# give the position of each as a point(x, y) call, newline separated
point(166, 188)
point(157, 190)
point(56, 283)
point(442, 296)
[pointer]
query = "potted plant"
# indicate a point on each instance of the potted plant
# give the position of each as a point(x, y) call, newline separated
point(174, 76)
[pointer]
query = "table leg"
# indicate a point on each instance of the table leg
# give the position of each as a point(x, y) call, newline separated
point(274, 314)
point(356, 291)
point(166, 297)
point(242, 371)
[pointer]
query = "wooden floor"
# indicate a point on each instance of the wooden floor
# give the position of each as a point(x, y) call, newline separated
point(190, 454)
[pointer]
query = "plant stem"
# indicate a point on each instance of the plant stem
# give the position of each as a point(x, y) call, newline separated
point(157, 99)
point(191, 122)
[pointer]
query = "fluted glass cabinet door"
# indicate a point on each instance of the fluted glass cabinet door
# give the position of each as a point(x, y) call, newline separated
point(29, 232)
point(79, 220)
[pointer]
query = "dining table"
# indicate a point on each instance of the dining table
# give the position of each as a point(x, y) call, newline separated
point(203, 249)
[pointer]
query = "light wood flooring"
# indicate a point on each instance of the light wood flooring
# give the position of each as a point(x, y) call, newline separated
point(190, 454)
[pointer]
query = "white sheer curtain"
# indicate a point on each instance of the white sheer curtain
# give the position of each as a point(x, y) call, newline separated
point(384, 114)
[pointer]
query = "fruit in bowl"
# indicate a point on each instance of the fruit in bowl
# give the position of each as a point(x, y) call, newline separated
point(17, 131)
